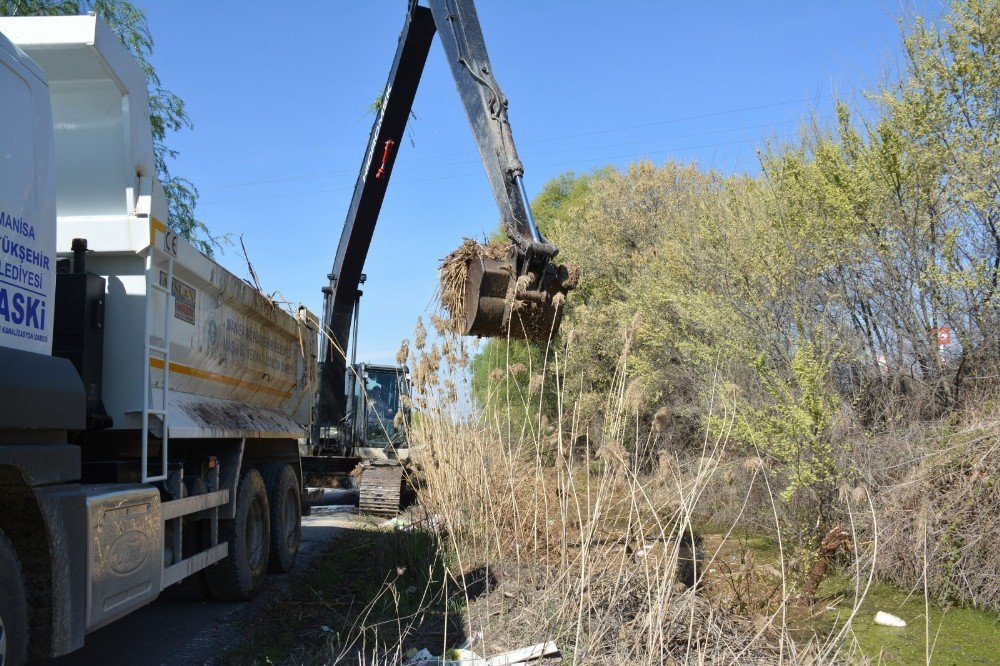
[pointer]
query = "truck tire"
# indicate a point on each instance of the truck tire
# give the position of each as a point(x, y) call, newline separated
point(13, 607)
point(285, 500)
point(239, 575)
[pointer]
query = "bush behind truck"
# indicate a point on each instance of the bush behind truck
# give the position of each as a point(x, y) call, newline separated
point(151, 403)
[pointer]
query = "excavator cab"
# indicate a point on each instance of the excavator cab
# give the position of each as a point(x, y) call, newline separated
point(378, 412)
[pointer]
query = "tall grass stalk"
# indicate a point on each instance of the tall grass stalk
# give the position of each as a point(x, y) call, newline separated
point(582, 537)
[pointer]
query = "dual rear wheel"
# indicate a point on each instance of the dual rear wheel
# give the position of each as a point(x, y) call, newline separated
point(264, 536)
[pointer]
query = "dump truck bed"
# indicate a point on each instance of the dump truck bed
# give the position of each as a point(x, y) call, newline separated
point(219, 357)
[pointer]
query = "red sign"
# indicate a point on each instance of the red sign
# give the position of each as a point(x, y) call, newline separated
point(943, 335)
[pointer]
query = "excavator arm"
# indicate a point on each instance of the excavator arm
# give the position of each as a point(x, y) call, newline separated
point(517, 294)
point(486, 106)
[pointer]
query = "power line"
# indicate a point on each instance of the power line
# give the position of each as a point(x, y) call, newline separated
point(426, 158)
point(290, 179)
point(603, 159)
point(682, 119)
point(472, 174)
point(401, 166)
point(645, 141)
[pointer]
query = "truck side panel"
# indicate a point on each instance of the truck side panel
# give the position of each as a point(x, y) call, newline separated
point(27, 235)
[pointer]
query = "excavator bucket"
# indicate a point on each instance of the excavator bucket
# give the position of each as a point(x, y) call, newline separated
point(497, 308)
point(489, 293)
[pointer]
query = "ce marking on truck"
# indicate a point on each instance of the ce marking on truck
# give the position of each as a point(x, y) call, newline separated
point(170, 242)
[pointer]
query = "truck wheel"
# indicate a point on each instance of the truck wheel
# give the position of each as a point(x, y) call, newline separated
point(13, 608)
point(239, 576)
point(286, 515)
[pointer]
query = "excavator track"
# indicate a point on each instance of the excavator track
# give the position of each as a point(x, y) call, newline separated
point(380, 488)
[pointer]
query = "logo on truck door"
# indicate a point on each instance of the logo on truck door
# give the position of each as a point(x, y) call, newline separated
point(27, 279)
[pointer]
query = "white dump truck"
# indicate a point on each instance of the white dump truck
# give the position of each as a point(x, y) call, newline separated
point(151, 402)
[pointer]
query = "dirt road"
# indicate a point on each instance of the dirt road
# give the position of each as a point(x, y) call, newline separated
point(169, 632)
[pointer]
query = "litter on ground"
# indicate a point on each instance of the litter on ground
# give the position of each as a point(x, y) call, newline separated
point(889, 620)
point(466, 657)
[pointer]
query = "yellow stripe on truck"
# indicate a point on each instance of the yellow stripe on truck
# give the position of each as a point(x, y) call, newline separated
point(154, 226)
point(222, 379)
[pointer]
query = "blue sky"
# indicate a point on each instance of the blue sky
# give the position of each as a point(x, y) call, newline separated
point(278, 95)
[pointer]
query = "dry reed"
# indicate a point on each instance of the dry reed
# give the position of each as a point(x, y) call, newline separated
point(584, 543)
point(940, 509)
point(575, 538)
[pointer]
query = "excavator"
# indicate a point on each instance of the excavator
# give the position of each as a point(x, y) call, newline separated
point(518, 293)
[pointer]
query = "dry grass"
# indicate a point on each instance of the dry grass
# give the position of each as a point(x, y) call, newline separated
point(584, 543)
point(939, 504)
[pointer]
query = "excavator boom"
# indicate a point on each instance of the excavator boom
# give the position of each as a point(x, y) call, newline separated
point(517, 293)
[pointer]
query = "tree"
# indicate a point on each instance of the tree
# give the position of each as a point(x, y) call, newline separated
point(167, 112)
point(794, 315)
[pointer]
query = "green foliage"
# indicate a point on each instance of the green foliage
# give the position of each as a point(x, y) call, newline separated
point(167, 112)
point(792, 428)
point(861, 240)
point(790, 310)
point(502, 383)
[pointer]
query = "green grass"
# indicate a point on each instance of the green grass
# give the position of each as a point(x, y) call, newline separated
point(958, 635)
point(764, 546)
point(395, 583)
point(375, 589)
